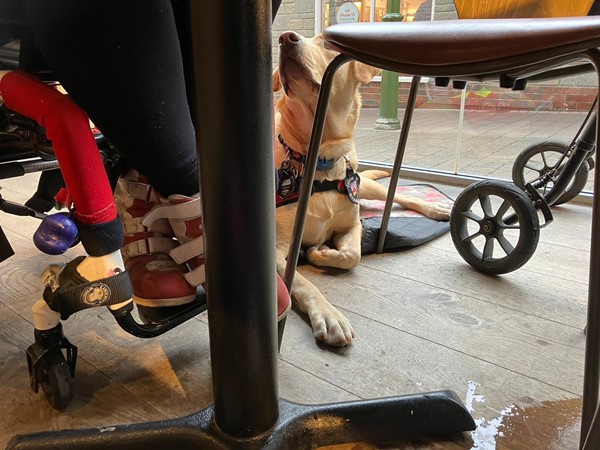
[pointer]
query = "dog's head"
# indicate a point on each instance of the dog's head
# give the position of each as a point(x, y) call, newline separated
point(302, 63)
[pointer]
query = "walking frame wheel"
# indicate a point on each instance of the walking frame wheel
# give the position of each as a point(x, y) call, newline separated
point(548, 159)
point(494, 226)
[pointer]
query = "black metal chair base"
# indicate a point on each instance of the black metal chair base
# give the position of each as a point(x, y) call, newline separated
point(299, 427)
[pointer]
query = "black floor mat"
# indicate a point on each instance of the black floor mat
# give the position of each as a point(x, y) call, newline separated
point(406, 228)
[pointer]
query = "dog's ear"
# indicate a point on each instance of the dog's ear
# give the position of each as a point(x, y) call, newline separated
point(363, 72)
point(276, 80)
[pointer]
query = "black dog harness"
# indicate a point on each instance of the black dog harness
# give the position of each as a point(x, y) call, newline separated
point(289, 177)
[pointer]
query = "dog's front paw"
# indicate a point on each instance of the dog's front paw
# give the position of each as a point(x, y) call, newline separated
point(325, 256)
point(323, 249)
point(331, 327)
point(318, 255)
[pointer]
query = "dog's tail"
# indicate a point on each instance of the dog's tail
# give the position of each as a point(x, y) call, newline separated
point(374, 174)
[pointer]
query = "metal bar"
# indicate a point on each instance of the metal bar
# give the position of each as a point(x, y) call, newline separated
point(592, 441)
point(20, 168)
point(461, 121)
point(591, 377)
point(232, 77)
point(562, 72)
point(406, 121)
point(310, 168)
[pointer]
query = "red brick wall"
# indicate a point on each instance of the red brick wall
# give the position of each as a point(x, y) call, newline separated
point(536, 97)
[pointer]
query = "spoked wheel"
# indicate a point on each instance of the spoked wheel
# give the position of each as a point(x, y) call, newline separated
point(547, 158)
point(56, 380)
point(494, 227)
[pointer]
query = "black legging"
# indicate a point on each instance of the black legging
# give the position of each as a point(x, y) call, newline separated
point(120, 60)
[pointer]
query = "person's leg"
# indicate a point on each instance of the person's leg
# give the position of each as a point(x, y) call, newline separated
point(121, 62)
point(181, 10)
point(98, 226)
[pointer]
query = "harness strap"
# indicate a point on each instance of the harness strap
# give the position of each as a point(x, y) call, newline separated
point(349, 186)
point(329, 185)
point(289, 177)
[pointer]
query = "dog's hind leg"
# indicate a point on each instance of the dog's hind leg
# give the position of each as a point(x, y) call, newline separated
point(372, 190)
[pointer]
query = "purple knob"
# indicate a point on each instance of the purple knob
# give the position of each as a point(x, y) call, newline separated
point(56, 234)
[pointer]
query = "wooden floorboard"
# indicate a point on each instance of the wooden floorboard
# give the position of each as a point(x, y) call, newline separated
point(510, 346)
point(467, 325)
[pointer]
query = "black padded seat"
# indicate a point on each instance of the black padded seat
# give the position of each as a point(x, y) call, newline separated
point(464, 47)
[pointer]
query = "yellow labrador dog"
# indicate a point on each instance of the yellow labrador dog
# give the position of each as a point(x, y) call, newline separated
point(333, 231)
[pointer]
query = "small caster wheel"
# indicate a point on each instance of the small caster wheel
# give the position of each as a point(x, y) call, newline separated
point(546, 158)
point(494, 227)
point(51, 361)
point(54, 376)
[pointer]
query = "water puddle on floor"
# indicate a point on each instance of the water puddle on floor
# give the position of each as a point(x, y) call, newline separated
point(550, 425)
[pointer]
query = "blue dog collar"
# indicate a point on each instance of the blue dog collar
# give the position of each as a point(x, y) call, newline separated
point(325, 164)
point(322, 163)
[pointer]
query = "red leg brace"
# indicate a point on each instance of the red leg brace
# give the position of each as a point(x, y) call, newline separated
point(67, 126)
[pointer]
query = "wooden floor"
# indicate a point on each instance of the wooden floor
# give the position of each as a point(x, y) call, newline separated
point(511, 346)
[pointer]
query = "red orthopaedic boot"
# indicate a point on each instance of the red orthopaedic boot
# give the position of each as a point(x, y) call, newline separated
point(157, 277)
point(164, 245)
point(184, 215)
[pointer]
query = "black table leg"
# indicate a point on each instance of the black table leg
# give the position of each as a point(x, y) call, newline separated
point(232, 47)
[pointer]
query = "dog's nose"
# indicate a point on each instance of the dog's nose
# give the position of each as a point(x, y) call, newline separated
point(289, 36)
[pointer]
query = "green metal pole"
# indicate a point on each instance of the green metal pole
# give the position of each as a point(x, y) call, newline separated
point(388, 95)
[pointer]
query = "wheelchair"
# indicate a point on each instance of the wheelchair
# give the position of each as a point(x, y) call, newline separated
point(25, 148)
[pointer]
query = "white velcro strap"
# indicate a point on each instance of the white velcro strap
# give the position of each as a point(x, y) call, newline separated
point(147, 246)
point(183, 211)
point(138, 190)
point(196, 277)
point(133, 225)
point(189, 250)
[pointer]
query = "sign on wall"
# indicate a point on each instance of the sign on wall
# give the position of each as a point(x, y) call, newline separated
point(347, 13)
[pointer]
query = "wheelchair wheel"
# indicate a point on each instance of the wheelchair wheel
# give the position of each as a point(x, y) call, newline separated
point(494, 227)
point(540, 159)
point(56, 380)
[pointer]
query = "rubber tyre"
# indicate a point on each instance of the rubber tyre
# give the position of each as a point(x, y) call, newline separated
point(56, 380)
point(513, 201)
point(520, 166)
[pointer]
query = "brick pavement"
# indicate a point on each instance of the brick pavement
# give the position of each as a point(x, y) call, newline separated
point(490, 141)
